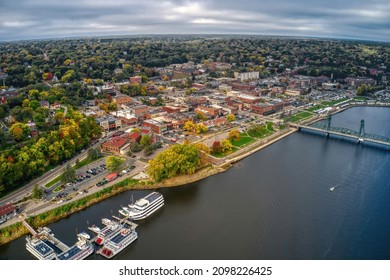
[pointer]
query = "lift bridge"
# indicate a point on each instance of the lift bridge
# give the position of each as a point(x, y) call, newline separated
point(359, 136)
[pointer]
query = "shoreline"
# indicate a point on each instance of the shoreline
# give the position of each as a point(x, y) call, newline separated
point(17, 229)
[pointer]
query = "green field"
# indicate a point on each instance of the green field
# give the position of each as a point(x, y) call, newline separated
point(244, 140)
point(52, 182)
point(57, 189)
point(315, 107)
point(261, 131)
point(333, 102)
point(221, 155)
point(300, 116)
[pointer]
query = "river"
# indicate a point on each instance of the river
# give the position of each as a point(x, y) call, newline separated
point(274, 204)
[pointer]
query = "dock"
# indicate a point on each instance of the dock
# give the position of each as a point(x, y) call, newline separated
point(126, 221)
point(45, 235)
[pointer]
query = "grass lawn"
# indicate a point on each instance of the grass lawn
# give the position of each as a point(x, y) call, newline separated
point(52, 182)
point(84, 162)
point(316, 107)
point(261, 131)
point(244, 140)
point(300, 116)
point(57, 189)
point(221, 155)
point(333, 102)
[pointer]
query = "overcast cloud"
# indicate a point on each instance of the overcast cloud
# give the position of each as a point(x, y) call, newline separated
point(358, 19)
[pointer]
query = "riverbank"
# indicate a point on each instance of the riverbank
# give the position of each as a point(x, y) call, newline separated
point(46, 217)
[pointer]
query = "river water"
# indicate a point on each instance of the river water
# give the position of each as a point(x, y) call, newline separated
point(275, 204)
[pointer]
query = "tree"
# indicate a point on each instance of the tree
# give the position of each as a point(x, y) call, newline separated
point(37, 192)
point(145, 140)
point(148, 150)
point(137, 130)
point(69, 174)
point(114, 163)
point(234, 134)
point(136, 147)
point(19, 131)
point(201, 116)
point(200, 128)
point(93, 154)
point(177, 159)
point(189, 126)
point(226, 146)
point(216, 147)
point(202, 147)
point(230, 118)
point(39, 120)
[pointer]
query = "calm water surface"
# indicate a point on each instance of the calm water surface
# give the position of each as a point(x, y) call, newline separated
point(275, 204)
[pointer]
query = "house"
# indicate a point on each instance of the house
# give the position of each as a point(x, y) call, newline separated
point(213, 111)
point(156, 126)
point(261, 108)
point(246, 76)
point(7, 212)
point(132, 137)
point(122, 99)
point(44, 104)
point(136, 80)
point(126, 117)
point(116, 145)
point(109, 123)
point(55, 106)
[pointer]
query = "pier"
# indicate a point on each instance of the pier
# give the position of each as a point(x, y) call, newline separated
point(126, 221)
point(48, 235)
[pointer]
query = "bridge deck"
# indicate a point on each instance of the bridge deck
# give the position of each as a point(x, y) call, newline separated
point(358, 138)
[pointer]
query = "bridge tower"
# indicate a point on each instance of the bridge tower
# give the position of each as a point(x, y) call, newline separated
point(328, 121)
point(362, 130)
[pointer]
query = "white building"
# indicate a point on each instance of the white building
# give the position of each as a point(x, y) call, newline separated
point(246, 76)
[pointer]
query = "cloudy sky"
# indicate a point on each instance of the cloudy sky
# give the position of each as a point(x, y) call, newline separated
point(360, 19)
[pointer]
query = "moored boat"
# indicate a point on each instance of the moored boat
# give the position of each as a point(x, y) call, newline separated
point(146, 206)
point(118, 242)
point(82, 249)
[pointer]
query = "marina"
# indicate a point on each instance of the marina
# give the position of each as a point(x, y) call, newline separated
point(114, 237)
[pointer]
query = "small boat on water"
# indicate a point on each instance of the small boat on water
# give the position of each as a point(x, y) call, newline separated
point(106, 221)
point(83, 235)
point(94, 228)
point(331, 189)
point(334, 187)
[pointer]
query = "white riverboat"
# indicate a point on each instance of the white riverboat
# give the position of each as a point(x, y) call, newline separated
point(143, 207)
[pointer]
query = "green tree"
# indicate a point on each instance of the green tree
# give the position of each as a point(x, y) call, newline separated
point(230, 118)
point(37, 192)
point(69, 174)
point(201, 116)
point(137, 130)
point(114, 163)
point(93, 154)
point(145, 140)
point(148, 150)
point(136, 147)
point(177, 159)
point(39, 120)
